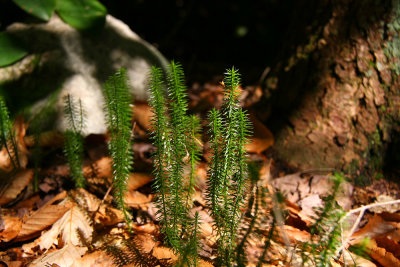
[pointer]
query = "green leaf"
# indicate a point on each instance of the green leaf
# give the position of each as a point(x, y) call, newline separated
point(42, 9)
point(11, 50)
point(82, 14)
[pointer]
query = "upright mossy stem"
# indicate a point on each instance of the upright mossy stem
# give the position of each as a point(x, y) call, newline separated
point(162, 157)
point(176, 137)
point(230, 129)
point(7, 135)
point(118, 101)
point(73, 139)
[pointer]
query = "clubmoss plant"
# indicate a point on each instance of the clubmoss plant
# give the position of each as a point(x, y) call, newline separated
point(7, 134)
point(118, 117)
point(176, 137)
point(230, 129)
point(73, 140)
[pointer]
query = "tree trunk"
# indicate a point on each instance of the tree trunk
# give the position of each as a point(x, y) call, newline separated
point(334, 93)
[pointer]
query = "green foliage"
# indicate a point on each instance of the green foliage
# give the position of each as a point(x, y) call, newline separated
point(119, 115)
point(11, 50)
point(42, 9)
point(130, 251)
point(73, 140)
point(82, 14)
point(230, 129)
point(7, 134)
point(175, 135)
point(189, 255)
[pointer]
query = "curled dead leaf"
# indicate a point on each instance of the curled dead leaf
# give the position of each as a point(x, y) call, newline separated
point(137, 200)
point(18, 183)
point(142, 115)
point(262, 137)
point(164, 253)
point(64, 257)
point(296, 235)
point(9, 227)
point(381, 255)
point(96, 259)
point(137, 180)
point(375, 227)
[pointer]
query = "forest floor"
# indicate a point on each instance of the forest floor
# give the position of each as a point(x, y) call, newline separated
point(58, 225)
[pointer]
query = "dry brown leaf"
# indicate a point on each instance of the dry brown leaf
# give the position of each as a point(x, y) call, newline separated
point(18, 183)
point(388, 216)
point(64, 257)
point(149, 228)
point(96, 259)
point(334, 263)
point(389, 245)
point(137, 200)
point(142, 115)
point(385, 258)
point(105, 215)
point(164, 253)
point(9, 227)
point(101, 168)
point(297, 218)
point(352, 259)
point(296, 235)
point(203, 263)
point(375, 227)
point(67, 226)
point(146, 242)
point(42, 218)
point(385, 208)
point(137, 180)
point(29, 203)
point(46, 139)
point(262, 137)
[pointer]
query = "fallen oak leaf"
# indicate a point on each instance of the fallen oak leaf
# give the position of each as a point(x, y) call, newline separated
point(68, 226)
point(33, 224)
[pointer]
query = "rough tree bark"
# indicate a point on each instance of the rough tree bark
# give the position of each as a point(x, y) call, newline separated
point(334, 90)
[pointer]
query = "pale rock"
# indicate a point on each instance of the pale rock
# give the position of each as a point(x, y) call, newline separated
point(70, 62)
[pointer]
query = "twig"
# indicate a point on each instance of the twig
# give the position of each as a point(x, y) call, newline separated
point(361, 210)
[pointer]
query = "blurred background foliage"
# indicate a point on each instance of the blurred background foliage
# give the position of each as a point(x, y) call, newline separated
point(206, 36)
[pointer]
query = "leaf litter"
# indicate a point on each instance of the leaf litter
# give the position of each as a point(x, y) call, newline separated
point(60, 226)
